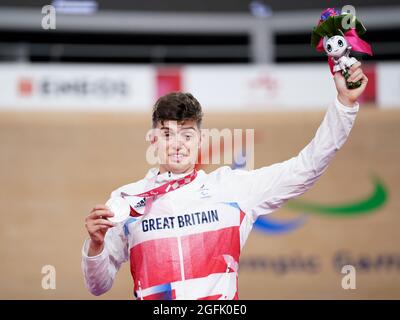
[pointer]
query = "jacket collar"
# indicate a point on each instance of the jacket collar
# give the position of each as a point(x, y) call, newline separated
point(152, 175)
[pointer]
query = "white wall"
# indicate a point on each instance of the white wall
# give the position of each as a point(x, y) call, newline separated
point(218, 88)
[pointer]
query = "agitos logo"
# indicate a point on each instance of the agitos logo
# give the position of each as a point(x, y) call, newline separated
point(360, 207)
point(367, 205)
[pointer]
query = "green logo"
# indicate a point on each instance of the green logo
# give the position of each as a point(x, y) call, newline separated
point(369, 204)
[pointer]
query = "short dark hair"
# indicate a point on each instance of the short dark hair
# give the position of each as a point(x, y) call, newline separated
point(177, 106)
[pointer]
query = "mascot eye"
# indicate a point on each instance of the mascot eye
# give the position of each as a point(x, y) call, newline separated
point(340, 43)
point(329, 47)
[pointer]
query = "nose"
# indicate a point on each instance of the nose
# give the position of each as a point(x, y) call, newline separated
point(176, 144)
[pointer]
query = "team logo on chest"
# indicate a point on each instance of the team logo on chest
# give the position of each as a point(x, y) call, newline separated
point(204, 192)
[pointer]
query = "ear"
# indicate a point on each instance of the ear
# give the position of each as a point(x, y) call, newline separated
point(151, 136)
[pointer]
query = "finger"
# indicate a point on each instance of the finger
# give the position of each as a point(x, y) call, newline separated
point(98, 207)
point(104, 213)
point(101, 213)
point(99, 228)
point(100, 222)
point(357, 78)
point(103, 222)
point(364, 82)
point(356, 74)
point(355, 66)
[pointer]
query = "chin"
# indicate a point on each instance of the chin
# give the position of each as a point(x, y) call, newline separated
point(178, 167)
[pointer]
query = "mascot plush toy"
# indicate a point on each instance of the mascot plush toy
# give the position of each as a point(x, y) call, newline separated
point(338, 34)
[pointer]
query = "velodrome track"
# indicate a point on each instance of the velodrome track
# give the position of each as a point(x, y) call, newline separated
point(55, 166)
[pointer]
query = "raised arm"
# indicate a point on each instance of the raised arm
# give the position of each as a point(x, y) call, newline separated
point(264, 190)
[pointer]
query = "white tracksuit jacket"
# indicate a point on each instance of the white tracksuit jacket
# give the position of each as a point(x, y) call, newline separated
point(188, 245)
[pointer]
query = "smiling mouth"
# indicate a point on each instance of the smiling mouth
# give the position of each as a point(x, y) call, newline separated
point(177, 157)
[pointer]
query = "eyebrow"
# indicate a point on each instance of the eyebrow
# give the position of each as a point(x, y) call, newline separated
point(189, 128)
point(186, 128)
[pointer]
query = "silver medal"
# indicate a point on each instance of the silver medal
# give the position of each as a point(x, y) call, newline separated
point(120, 208)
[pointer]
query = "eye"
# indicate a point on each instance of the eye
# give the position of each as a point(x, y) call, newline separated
point(188, 137)
point(329, 48)
point(340, 43)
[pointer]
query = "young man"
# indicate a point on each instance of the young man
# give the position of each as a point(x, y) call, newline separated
point(187, 228)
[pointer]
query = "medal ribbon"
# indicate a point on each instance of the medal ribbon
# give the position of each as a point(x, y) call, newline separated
point(163, 189)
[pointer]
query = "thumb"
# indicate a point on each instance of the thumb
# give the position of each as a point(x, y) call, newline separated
point(338, 76)
point(339, 79)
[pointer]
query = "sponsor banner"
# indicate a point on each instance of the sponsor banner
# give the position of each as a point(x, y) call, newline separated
point(218, 88)
point(388, 85)
point(76, 87)
point(261, 88)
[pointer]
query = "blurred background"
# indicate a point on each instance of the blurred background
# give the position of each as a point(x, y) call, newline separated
point(77, 87)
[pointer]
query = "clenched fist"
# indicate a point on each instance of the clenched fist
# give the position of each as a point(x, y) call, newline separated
point(349, 96)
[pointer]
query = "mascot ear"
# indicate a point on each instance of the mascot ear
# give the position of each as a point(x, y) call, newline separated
point(325, 40)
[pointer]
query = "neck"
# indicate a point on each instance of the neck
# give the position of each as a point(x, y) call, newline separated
point(162, 170)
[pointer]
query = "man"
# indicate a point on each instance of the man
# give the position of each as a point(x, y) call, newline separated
point(187, 228)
